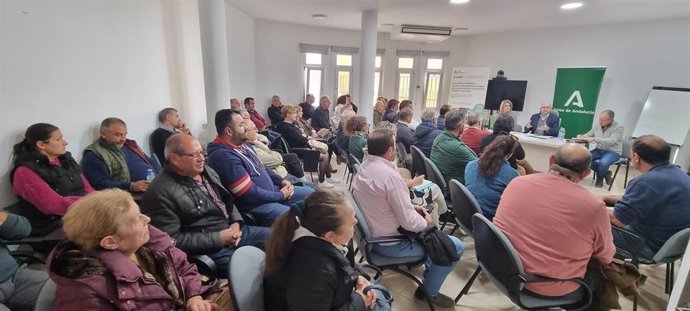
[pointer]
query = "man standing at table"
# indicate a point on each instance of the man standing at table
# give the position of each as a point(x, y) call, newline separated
point(609, 139)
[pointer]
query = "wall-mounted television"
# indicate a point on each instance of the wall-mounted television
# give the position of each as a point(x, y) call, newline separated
point(498, 90)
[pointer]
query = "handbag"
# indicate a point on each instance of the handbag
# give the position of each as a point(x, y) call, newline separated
point(317, 145)
point(439, 247)
point(384, 300)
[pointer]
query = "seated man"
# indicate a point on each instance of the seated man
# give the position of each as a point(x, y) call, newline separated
point(171, 123)
point(426, 132)
point(307, 107)
point(19, 285)
point(384, 199)
point(188, 202)
point(113, 161)
point(286, 165)
point(257, 188)
point(234, 103)
point(556, 225)
point(449, 153)
point(473, 134)
point(254, 115)
point(544, 122)
point(403, 132)
point(609, 139)
point(655, 204)
point(275, 110)
point(320, 118)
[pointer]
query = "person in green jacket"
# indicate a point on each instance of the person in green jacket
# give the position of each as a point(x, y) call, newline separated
point(449, 153)
point(359, 129)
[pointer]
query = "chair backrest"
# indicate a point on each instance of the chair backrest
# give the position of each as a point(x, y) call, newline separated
point(355, 168)
point(417, 161)
point(353, 160)
point(44, 301)
point(497, 257)
point(627, 145)
point(464, 205)
point(674, 247)
point(246, 279)
point(402, 153)
point(362, 230)
point(282, 144)
point(434, 175)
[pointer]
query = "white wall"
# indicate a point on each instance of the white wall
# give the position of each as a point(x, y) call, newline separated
point(74, 63)
point(637, 56)
point(240, 32)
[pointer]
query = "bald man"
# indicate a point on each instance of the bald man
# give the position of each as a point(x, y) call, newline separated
point(188, 202)
point(656, 204)
point(543, 123)
point(556, 225)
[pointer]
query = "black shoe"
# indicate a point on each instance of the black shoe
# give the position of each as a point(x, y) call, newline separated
point(608, 178)
point(440, 300)
point(599, 184)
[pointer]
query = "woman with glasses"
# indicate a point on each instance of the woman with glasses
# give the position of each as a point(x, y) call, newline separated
point(45, 177)
point(489, 175)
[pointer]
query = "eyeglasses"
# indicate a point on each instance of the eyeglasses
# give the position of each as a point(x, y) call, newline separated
point(197, 155)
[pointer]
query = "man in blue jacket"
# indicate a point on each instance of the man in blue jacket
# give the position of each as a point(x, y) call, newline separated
point(257, 189)
point(543, 123)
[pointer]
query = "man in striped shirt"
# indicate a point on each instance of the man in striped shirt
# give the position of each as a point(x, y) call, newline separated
point(256, 188)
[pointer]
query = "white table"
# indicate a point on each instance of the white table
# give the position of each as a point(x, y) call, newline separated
point(538, 150)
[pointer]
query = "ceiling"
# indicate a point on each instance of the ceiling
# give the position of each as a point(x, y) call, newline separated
point(480, 16)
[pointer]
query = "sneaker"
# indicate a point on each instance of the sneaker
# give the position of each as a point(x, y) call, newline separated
point(608, 178)
point(440, 300)
point(333, 180)
point(599, 184)
point(325, 185)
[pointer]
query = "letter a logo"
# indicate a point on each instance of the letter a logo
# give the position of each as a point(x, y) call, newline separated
point(575, 99)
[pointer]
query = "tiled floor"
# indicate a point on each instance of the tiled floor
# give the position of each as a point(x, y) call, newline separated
point(484, 296)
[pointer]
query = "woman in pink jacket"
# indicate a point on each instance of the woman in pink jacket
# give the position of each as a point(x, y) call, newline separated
point(113, 260)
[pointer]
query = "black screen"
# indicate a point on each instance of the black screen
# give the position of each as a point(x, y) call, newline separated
point(498, 90)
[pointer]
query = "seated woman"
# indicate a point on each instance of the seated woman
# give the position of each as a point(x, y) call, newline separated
point(503, 125)
point(305, 267)
point(46, 178)
point(359, 130)
point(324, 135)
point(391, 111)
point(114, 260)
point(488, 176)
point(295, 139)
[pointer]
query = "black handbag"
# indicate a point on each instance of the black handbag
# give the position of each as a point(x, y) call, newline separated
point(439, 246)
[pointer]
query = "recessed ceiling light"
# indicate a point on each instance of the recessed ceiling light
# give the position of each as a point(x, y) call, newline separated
point(459, 1)
point(319, 16)
point(571, 5)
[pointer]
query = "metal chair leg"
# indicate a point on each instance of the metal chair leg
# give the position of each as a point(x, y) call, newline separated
point(613, 179)
point(625, 181)
point(467, 286)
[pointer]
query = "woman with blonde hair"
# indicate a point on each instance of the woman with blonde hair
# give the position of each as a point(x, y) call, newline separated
point(114, 260)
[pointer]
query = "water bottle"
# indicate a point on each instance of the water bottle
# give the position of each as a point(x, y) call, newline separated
point(150, 175)
point(561, 134)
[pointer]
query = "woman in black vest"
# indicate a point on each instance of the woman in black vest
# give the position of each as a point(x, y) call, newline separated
point(45, 177)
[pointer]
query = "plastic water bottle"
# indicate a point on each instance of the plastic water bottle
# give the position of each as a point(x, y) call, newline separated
point(150, 175)
point(561, 134)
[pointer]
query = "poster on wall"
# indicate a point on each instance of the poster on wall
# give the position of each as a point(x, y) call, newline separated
point(468, 87)
point(575, 97)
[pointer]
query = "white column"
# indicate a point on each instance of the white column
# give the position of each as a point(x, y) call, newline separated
point(367, 63)
point(214, 51)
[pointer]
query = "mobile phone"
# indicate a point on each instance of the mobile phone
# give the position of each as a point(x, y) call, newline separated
point(430, 208)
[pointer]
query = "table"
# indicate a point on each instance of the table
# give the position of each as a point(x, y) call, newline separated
point(538, 150)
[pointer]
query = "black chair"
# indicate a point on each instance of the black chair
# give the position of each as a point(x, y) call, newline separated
point(206, 267)
point(417, 161)
point(672, 250)
point(309, 157)
point(434, 175)
point(351, 162)
point(501, 264)
point(365, 242)
point(464, 207)
point(624, 160)
point(35, 249)
point(402, 155)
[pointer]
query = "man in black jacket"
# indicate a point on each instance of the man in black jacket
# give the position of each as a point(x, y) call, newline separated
point(275, 111)
point(320, 118)
point(188, 202)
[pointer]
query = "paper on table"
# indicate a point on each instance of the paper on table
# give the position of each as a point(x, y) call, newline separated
point(538, 136)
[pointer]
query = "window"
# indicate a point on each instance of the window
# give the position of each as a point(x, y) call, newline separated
point(405, 71)
point(343, 65)
point(432, 89)
point(313, 74)
point(377, 78)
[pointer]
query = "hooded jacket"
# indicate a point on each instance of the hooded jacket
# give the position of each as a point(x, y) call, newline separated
point(424, 136)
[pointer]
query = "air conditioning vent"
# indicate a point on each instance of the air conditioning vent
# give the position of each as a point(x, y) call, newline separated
point(421, 33)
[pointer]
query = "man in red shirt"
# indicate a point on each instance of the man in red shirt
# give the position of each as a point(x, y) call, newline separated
point(556, 225)
point(473, 133)
point(254, 115)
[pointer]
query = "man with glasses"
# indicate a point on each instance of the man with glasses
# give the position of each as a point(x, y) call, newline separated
point(543, 123)
point(258, 189)
point(188, 202)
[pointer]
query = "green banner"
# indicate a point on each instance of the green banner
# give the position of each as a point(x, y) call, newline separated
point(575, 98)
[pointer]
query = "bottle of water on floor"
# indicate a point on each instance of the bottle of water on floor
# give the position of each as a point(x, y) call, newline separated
point(561, 134)
point(150, 175)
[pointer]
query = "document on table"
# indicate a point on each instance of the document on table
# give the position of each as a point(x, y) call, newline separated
point(538, 136)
